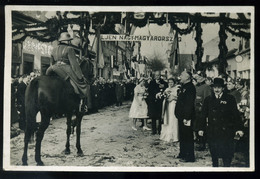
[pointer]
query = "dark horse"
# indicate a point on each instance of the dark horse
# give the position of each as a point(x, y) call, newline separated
point(51, 95)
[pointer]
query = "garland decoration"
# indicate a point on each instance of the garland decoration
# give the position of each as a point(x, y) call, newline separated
point(141, 22)
point(182, 31)
point(199, 50)
point(222, 47)
point(159, 18)
point(240, 33)
point(52, 31)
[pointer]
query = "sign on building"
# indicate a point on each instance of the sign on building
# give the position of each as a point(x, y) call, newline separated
point(118, 37)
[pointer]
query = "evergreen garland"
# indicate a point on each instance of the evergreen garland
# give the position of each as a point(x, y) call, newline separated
point(138, 22)
point(53, 29)
point(199, 49)
point(182, 31)
point(222, 48)
point(54, 24)
point(240, 33)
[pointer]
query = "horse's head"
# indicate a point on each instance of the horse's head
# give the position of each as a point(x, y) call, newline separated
point(87, 69)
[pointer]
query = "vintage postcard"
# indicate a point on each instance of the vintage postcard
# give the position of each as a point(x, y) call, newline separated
point(129, 88)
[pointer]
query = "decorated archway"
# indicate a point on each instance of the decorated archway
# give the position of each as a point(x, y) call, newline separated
point(103, 22)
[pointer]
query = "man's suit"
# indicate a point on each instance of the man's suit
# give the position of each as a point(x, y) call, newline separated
point(221, 120)
point(155, 105)
point(185, 109)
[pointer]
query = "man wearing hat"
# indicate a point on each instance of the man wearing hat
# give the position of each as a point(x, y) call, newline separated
point(64, 63)
point(220, 117)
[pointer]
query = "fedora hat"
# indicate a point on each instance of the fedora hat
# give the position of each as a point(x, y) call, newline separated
point(218, 82)
point(65, 36)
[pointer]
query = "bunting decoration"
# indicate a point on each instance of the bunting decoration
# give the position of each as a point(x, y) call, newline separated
point(51, 29)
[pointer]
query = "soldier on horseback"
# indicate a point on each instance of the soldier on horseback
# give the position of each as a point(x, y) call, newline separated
point(65, 64)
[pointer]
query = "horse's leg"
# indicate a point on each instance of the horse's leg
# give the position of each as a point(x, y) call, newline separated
point(78, 131)
point(28, 132)
point(67, 149)
point(45, 121)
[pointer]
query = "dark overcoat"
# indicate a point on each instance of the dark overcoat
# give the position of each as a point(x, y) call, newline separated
point(20, 94)
point(185, 108)
point(94, 96)
point(119, 90)
point(155, 105)
point(221, 120)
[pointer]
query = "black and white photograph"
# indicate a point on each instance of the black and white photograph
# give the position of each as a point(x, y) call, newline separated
point(129, 88)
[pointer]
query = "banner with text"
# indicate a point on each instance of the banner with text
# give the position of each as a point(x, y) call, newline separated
point(118, 37)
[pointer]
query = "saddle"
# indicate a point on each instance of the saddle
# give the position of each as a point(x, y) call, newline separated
point(62, 74)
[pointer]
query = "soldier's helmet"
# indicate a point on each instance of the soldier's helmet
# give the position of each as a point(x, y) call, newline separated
point(65, 36)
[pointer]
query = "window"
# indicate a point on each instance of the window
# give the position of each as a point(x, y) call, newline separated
point(28, 60)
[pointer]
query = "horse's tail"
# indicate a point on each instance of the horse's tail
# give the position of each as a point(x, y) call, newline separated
point(31, 107)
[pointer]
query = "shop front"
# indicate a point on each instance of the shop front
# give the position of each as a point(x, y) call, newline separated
point(36, 56)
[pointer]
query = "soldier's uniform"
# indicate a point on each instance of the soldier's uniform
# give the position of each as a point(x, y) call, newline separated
point(64, 63)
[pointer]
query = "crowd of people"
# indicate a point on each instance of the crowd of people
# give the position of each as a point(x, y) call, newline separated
point(103, 93)
point(183, 109)
point(193, 108)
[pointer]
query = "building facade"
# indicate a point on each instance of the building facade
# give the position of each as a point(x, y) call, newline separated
point(238, 57)
point(29, 55)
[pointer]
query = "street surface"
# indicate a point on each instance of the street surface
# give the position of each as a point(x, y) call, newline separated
point(107, 140)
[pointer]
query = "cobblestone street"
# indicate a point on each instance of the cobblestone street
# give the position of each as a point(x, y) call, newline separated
point(108, 140)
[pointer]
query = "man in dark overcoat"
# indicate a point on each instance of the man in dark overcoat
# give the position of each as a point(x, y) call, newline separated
point(95, 96)
point(222, 122)
point(185, 113)
point(20, 94)
point(154, 101)
point(119, 90)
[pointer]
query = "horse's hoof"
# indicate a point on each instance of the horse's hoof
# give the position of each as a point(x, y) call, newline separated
point(40, 163)
point(80, 153)
point(25, 164)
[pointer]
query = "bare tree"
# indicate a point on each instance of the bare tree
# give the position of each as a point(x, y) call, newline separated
point(156, 63)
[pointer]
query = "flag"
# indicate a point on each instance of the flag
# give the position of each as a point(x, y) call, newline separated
point(192, 64)
point(132, 31)
point(123, 15)
point(112, 61)
point(97, 45)
point(173, 60)
point(167, 19)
